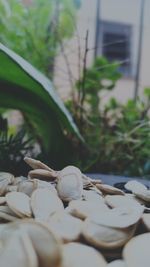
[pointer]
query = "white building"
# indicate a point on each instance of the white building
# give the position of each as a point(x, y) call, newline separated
point(118, 24)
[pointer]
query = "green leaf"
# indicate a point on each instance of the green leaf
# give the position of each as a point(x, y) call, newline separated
point(147, 92)
point(23, 87)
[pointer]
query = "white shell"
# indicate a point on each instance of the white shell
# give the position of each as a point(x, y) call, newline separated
point(36, 164)
point(44, 184)
point(135, 186)
point(143, 194)
point(44, 203)
point(83, 209)
point(106, 237)
point(118, 217)
point(27, 187)
point(65, 226)
point(42, 174)
point(18, 251)
point(8, 176)
point(108, 189)
point(92, 195)
point(7, 217)
point(5, 180)
point(70, 184)
point(78, 255)
point(121, 201)
point(19, 203)
point(45, 244)
point(137, 251)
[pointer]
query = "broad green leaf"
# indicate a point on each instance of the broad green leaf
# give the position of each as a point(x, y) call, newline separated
point(23, 87)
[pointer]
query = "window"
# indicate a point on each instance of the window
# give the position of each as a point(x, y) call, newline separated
point(115, 44)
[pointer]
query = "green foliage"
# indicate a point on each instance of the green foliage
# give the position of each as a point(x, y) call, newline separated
point(13, 148)
point(89, 89)
point(24, 88)
point(125, 140)
point(35, 31)
point(117, 135)
point(98, 78)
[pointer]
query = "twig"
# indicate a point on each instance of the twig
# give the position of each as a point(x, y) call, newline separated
point(84, 76)
point(113, 64)
point(68, 69)
point(108, 44)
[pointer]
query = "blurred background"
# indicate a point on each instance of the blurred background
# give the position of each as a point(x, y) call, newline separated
point(75, 85)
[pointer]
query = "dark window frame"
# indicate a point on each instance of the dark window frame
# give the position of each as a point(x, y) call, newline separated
point(116, 28)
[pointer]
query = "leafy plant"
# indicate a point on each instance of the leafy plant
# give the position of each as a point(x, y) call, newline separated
point(125, 135)
point(117, 135)
point(23, 87)
point(34, 31)
point(13, 148)
point(86, 107)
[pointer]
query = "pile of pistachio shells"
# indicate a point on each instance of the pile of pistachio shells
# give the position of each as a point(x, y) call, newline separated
point(66, 219)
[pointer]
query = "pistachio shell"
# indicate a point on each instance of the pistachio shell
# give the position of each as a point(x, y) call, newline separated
point(108, 189)
point(135, 186)
point(27, 187)
point(132, 196)
point(19, 203)
point(70, 184)
point(44, 203)
point(5, 180)
point(6, 214)
point(143, 194)
point(45, 244)
point(36, 164)
point(92, 195)
point(106, 237)
point(18, 251)
point(96, 181)
point(42, 174)
point(118, 217)
point(83, 209)
point(78, 255)
point(7, 210)
point(88, 182)
point(12, 188)
point(6, 230)
point(136, 251)
point(121, 201)
point(8, 176)
point(19, 179)
point(65, 226)
point(44, 184)
point(6, 217)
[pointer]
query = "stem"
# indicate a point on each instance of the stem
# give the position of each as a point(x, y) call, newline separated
point(84, 76)
point(68, 69)
point(137, 127)
point(79, 63)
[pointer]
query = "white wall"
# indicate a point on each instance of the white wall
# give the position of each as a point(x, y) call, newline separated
point(127, 11)
point(86, 20)
point(124, 11)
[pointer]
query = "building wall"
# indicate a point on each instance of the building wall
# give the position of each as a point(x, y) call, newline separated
point(86, 20)
point(129, 12)
point(123, 11)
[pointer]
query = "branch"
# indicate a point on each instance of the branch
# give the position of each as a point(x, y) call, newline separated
point(84, 69)
point(68, 68)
